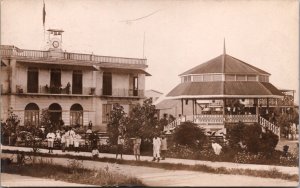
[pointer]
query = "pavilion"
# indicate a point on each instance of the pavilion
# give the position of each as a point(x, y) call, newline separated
point(223, 91)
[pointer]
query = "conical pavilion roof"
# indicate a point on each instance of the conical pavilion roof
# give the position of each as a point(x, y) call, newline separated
point(225, 64)
point(231, 65)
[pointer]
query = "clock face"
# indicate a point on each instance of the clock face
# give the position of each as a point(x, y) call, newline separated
point(55, 44)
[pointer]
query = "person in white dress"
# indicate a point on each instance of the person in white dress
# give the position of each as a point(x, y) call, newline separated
point(77, 139)
point(50, 138)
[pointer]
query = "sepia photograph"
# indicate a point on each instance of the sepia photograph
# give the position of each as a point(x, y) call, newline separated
point(149, 93)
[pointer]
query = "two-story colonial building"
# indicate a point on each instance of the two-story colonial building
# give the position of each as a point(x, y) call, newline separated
point(76, 88)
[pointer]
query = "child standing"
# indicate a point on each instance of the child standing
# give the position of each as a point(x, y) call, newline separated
point(163, 147)
point(136, 147)
point(50, 139)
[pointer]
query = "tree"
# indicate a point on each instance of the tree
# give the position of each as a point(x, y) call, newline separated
point(45, 120)
point(116, 123)
point(189, 134)
point(143, 121)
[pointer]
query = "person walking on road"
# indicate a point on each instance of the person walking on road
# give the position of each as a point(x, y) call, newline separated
point(120, 145)
point(163, 147)
point(156, 148)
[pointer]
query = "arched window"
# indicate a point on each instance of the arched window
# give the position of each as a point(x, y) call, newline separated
point(55, 111)
point(76, 115)
point(31, 114)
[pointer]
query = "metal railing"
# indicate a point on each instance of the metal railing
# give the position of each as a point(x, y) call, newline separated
point(15, 52)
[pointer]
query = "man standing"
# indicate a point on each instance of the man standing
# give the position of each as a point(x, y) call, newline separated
point(120, 145)
point(156, 148)
point(136, 147)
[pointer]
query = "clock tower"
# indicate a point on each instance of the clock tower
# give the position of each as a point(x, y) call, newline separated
point(55, 42)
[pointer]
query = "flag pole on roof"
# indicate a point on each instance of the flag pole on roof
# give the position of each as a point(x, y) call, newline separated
point(224, 47)
point(223, 58)
point(44, 17)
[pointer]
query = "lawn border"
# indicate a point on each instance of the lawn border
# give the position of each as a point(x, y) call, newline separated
point(272, 173)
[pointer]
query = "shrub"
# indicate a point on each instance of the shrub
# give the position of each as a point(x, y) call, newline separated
point(235, 135)
point(251, 137)
point(188, 134)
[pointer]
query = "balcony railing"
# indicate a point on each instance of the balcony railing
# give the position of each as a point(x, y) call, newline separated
point(15, 52)
point(120, 92)
point(43, 89)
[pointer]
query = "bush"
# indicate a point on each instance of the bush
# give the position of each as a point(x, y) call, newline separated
point(188, 134)
point(235, 135)
point(252, 136)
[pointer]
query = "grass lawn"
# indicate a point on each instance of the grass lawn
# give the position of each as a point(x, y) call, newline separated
point(74, 172)
point(273, 173)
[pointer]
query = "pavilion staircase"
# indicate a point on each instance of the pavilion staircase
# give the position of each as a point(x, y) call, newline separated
point(265, 124)
point(270, 126)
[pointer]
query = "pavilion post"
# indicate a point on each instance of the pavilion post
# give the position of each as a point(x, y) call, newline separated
point(196, 111)
point(268, 107)
point(193, 101)
point(224, 105)
point(182, 106)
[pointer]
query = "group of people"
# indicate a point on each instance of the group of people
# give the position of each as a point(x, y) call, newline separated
point(68, 140)
point(159, 148)
point(291, 131)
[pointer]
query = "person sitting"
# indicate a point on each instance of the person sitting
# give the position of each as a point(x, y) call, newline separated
point(216, 147)
point(89, 131)
point(95, 153)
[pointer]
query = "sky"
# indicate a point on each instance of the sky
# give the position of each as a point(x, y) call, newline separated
point(174, 35)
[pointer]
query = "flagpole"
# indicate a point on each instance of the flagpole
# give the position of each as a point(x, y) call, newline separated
point(144, 45)
point(44, 17)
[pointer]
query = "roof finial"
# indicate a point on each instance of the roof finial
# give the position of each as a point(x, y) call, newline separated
point(224, 49)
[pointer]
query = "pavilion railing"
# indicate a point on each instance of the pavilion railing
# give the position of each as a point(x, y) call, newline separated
point(207, 119)
point(240, 118)
point(219, 119)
